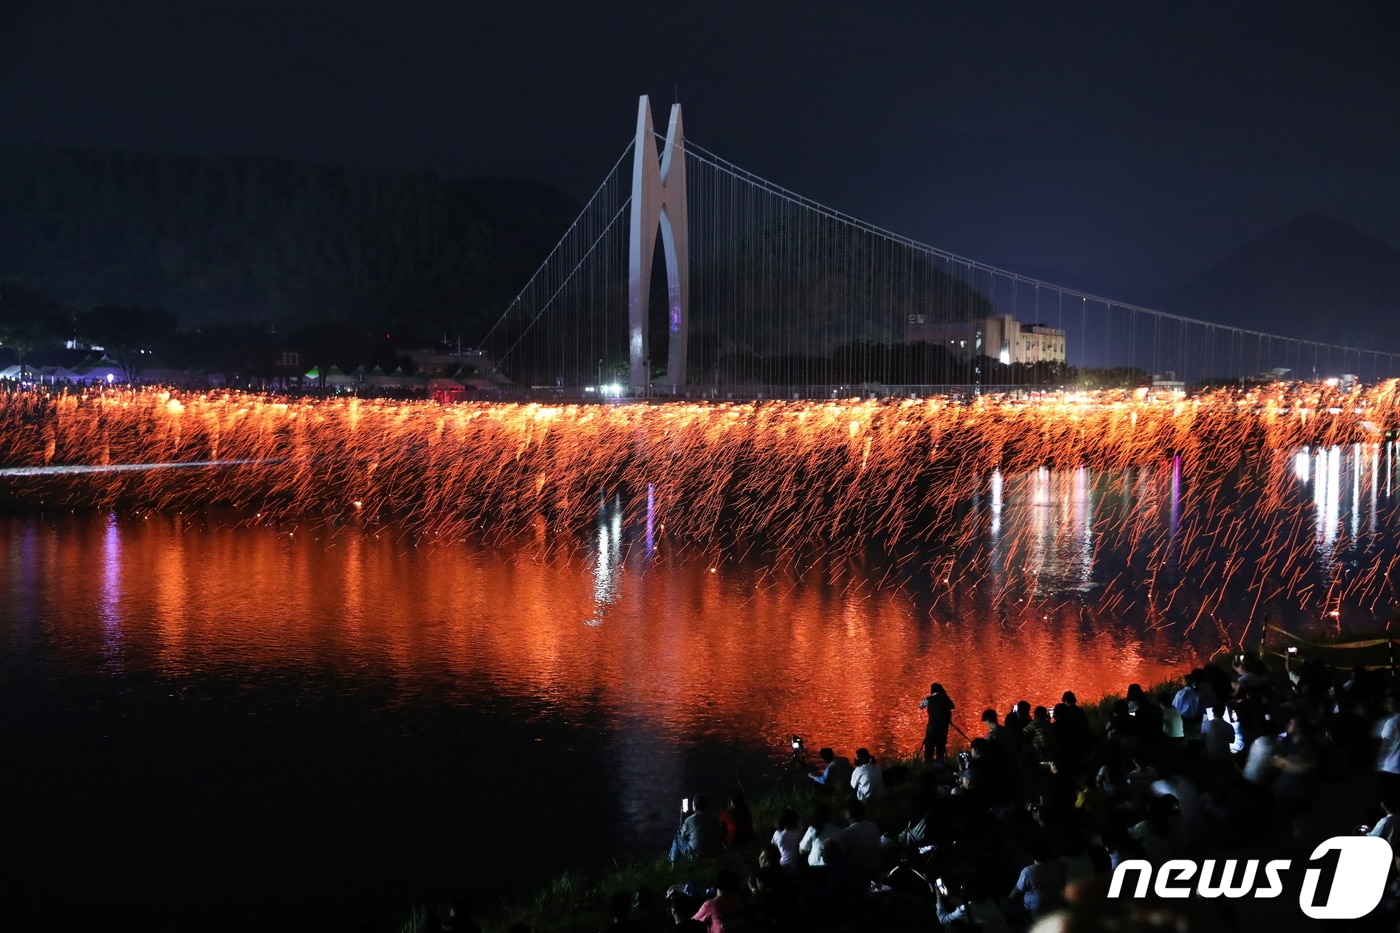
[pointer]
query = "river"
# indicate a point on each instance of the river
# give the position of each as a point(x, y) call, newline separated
point(218, 721)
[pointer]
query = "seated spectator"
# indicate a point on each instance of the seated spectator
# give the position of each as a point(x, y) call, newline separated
point(684, 922)
point(866, 779)
point(773, 903)
point(699, 835)
point(991, 777)
point(977, 908)
point(1040, 887)
point(842, 887)
point(836, 770)
point(1160, 833)
point(724, 911)
point(1388, 826)
point(861, 840)
point(1140, 779)
point(620, 905)
point(737, 820)
point(788, 838)
point(819, 832)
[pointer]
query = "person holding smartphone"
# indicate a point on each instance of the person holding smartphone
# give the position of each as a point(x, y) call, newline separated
point(978, 908)
point(700, 833)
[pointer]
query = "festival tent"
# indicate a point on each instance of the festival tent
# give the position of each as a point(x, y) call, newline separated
point(103, 370)
point(335, 376)
point(56, 374)
point(19, 373)
point(378, 379)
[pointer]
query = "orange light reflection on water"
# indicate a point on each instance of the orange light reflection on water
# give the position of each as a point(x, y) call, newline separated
point(674, 650)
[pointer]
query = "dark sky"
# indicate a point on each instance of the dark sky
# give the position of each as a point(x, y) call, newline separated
point(1128, 143)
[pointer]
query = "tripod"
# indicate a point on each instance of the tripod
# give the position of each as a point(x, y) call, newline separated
point(797, 764)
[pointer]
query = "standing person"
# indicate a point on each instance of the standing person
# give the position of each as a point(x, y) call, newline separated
point(940, 716)
point(1072, 733)
point(1387, 730)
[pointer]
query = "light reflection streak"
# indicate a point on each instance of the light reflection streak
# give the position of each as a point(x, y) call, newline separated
point(97, 469)
point(110, 607)
point(607, 562)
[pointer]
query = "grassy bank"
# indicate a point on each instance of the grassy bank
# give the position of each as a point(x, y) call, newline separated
point(577, 901)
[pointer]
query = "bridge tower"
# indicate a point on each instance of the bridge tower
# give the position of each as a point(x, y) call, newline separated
point(658, 201)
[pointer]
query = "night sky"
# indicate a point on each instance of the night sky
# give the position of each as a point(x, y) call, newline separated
point(1127, 145)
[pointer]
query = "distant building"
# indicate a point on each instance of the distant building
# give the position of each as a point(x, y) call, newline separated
point(999, 336)
point(1168, 380)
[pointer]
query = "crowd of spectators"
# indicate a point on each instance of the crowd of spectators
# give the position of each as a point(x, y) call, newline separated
point(1021, 827)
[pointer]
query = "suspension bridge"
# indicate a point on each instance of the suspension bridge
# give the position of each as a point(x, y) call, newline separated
point(687, 276)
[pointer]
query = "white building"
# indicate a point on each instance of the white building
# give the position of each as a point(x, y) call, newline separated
point(999, 336)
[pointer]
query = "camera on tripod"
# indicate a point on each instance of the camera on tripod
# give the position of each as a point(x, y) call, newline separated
point(797, 764)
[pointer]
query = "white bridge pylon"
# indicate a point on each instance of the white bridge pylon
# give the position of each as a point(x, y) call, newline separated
point(658, 202)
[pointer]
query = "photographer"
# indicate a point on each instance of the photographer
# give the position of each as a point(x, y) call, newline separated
point(940, 717)
point(836, 770)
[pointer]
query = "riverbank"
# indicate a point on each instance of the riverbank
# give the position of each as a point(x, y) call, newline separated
point(577, 902)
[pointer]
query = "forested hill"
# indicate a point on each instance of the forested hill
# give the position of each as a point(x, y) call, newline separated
point(240, 238)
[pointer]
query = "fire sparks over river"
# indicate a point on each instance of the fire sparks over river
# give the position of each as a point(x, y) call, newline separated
point(1206, 489)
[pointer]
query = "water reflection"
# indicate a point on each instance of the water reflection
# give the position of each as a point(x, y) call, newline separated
point(659, 667)
point(1346, 526)
point(607, 559)
point(109, 613)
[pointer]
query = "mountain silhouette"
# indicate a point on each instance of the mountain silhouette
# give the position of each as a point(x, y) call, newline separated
point(1314, 278)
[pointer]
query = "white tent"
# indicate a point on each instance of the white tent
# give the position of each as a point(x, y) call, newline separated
point(19, 373)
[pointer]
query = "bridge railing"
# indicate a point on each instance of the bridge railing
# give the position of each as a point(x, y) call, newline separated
point(750, 392)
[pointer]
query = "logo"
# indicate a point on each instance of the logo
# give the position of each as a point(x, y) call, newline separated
point(1344, 878)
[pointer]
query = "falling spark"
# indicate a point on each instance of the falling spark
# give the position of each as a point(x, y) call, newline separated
point(841, 474)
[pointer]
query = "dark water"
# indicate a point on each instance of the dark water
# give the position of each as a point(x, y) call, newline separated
point(226, 725)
